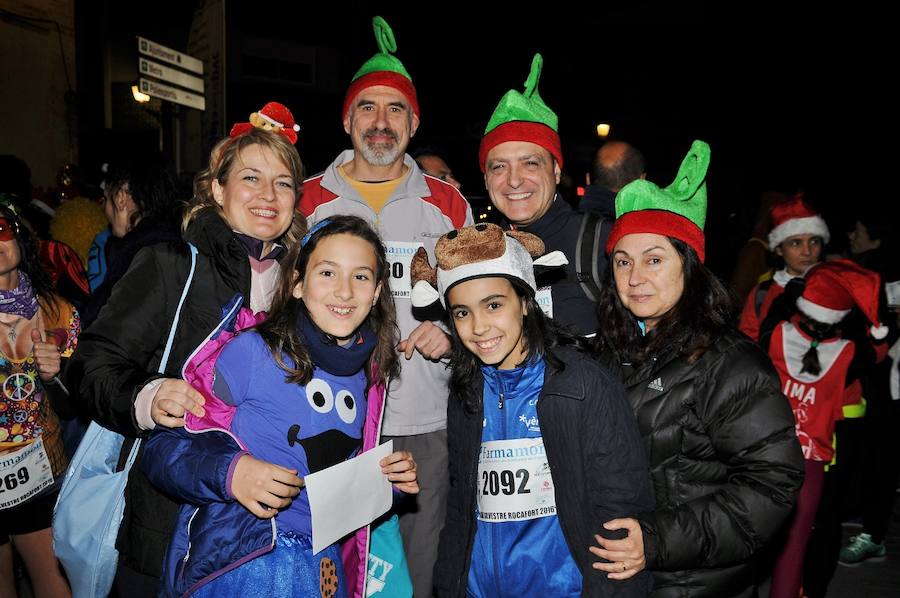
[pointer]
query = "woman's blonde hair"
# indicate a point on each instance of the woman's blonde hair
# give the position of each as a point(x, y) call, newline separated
point(221, 161)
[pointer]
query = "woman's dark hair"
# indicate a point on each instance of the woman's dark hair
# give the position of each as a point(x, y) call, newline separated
point(705, 311)
point(541, 336)
point(151, 186)
point(279, 331)
point(30, 262)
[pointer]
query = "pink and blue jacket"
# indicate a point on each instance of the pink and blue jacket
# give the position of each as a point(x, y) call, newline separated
point(195, 464)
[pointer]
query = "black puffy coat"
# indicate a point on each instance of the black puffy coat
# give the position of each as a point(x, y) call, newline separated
point(122, 349)
point(725, 463)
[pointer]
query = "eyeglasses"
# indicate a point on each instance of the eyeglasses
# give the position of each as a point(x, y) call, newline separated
point(9, 229)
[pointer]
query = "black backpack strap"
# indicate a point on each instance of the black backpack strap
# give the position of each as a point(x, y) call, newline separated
point(762, 289)
point(587, 250)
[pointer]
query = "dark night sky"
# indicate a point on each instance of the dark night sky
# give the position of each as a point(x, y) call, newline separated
point(783, 95)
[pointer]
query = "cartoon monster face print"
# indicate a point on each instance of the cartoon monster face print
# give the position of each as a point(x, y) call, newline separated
point(334, 414)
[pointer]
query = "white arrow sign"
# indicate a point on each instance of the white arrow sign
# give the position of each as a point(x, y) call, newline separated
point(173, 94)
point(154, 69)
point(160, 52)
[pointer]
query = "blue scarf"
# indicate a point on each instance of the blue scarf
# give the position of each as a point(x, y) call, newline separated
point(20, 301)
point(330, 356)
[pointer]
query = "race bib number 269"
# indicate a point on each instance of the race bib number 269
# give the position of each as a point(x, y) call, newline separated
point(23, 474)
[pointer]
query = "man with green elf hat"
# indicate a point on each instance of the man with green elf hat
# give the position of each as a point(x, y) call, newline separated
point(379, 182)
point(521, 158)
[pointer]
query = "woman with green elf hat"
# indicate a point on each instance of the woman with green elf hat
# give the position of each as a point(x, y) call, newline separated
point(719, 435)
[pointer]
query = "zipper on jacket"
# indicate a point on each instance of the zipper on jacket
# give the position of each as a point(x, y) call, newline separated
point(500, 401)
point(187, 554)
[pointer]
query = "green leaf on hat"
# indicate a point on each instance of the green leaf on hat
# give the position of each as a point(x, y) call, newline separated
point(384, 60)
point(686, 195)
point(527, 106)
point(384, 36)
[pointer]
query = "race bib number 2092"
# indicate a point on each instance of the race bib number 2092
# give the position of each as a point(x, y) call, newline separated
point(514, 481)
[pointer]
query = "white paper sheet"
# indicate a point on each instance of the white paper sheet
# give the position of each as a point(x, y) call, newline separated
point(347, 496)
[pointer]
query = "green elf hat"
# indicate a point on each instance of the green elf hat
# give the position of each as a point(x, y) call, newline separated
point(678, 210)
point(523, 117)
point(383, 69)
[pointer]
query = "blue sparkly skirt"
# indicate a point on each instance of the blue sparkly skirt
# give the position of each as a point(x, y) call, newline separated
point(289, 570)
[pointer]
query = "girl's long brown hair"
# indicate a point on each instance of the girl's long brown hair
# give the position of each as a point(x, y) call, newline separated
point(279, 331)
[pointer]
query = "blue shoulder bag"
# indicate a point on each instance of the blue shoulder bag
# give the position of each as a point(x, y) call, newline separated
point(91, 502)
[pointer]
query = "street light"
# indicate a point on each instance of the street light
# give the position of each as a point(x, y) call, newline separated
point(139, 97)
point(602, 130)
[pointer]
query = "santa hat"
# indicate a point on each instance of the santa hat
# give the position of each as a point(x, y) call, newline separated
point(382, 69)
point(479, 251)
point(678, 210)
point(523, 117)
point(795, 217)
point(273, 117)
point(833, 288)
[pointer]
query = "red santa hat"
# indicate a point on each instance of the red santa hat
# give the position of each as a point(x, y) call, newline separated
point(273, 117)
point(795, 217)
point(833, 288)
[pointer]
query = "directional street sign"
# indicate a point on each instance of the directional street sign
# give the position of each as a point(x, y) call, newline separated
point(154, 69)
point(160, 52)
point(173, 94)
point(185, 88)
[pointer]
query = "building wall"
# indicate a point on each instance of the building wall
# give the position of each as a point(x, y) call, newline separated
point(37, 104)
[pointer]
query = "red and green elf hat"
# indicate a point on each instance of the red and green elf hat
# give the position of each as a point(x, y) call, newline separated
point(523, 117)
point(383, 69)
point(678, 210)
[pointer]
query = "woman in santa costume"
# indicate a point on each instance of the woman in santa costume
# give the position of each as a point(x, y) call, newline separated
point(814, 361)
point(798, 237)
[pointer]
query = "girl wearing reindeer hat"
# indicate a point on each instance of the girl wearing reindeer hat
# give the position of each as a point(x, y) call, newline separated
point(542, 444)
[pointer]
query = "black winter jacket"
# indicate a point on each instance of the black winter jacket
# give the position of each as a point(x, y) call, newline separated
point(560, 230)
point(599, 471)
point(121, 352)
point(725, 463)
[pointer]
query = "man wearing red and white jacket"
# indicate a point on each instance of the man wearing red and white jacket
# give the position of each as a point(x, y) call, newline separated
point(379, 182)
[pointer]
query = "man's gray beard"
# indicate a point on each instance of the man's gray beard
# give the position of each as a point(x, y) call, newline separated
point(380, 154)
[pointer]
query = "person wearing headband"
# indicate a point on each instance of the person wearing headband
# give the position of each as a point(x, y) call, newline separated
point(242, 219)
point(724, 459)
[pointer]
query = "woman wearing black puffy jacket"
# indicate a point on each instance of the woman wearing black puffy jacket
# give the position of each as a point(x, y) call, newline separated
point(719, 435)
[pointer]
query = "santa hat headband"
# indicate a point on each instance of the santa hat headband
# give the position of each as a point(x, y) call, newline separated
point(677, 211)
point(795, 217)
point(382, 69)
point(833, 288)
point(523, 117)
point(479, 251)
point(271, 117)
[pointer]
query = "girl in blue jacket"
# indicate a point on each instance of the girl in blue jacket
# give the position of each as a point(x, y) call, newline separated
point(302, 391)
point(542, 444)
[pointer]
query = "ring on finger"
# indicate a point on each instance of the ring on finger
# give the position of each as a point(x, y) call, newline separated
point(624, 567)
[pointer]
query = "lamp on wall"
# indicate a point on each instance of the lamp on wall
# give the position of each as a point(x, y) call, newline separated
point(139, 96)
